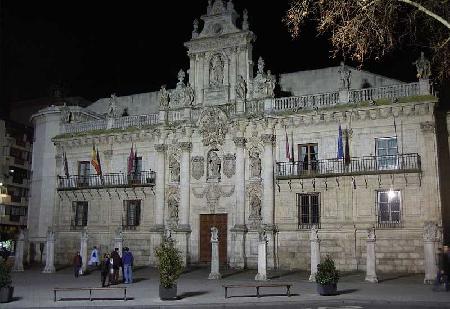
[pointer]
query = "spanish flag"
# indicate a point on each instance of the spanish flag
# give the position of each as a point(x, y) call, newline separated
point(95, 161)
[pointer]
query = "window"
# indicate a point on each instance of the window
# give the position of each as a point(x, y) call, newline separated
point(80, 213)
point(84, 172)
point(307, 155)
point(386, 150)
point(132, 209)
point(308, 205)
point(388, 208)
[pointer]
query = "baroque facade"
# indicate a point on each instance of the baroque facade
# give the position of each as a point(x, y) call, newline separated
point(346, 151)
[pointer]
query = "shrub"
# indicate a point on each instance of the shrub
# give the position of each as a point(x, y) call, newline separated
point(326, 272)
point(170, 263)
point(5, 274)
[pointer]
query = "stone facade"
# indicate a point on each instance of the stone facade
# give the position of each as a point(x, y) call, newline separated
point(218, 146)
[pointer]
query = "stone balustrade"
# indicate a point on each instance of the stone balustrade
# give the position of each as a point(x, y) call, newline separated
point(305, 102)
point(388, 92)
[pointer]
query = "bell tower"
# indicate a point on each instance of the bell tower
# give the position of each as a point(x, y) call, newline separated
point(220, 55)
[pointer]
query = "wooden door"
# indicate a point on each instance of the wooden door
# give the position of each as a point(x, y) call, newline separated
point(206, 223)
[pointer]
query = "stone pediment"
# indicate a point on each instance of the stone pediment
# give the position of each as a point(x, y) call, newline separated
point(220, 19)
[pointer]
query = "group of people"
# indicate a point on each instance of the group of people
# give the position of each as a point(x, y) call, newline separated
point(110, 265)
point(443, 264)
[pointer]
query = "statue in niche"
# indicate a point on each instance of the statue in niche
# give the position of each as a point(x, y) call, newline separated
point(345, 76)
point(174, 167)
point(255, 207)
point(255, 164)
point(241, 88)
point(163, 97)
point(214, 165)
point(423, 67)
point(195, 28)
point(216, 71)
point(245, 24)
point(214, 234)
point(112, 109)
point(172, 205)
point(261, 65)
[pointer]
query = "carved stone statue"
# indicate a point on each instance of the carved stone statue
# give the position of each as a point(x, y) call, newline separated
point(214, 234)
point(314, 234)
point(371, 233)
point(345, 76)
point(255, 164)
point(66, 114)
point(216, 71)
point(214, 165)
point(245, 24)
point(172, 205)
point(174, 167)
point(189, 95)
point(163, 97)
point(112, 109)
point(261, 65)
point(423, 67)
point(255, 207)
point(229, 164)
point(241, 88)
point(271, 83)
point(198, 167)
point(262, 234)
point(195, 28)
point(181, 76)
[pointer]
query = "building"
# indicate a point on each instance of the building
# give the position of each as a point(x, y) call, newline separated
point(15, 178)
point(345, 151)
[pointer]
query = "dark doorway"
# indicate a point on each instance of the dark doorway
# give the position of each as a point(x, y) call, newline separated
point(206, 223)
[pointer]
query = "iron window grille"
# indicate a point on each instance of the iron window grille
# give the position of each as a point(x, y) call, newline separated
point(308, 205)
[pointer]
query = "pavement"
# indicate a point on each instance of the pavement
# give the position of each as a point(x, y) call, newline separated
point(33, 289)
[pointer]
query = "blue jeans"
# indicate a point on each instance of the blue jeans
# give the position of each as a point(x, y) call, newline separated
point(128, 273)
point(437, 283)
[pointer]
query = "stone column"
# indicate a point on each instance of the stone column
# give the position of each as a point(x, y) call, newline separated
point(84, 250)
point(262, 257)
point(184, 211)
point(424, 86)
point(315, 252)
point(18, 259)
point(268, 194)
point(237, 259)
point(50, 252)
point(160, 186)
point(430, 240)
point(214, 274)
point(371, 258)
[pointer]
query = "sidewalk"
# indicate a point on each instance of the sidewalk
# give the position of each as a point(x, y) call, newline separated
point(34, 289)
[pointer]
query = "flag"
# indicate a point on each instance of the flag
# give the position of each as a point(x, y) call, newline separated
point(131, 160)
point(347, 149)
point(340, 147)
point(292, 148)
point(94, 161)
point(135, 161)
point(99, 164)
point(288, 151)
point(66, 166)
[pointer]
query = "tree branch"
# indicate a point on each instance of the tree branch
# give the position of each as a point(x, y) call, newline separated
point(420, 7)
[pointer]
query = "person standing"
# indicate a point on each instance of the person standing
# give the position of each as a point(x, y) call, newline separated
point(443, 264)
point(77, 262)
point(127, 261)
point(117, 261)
point(105, 269)
point(94, 259)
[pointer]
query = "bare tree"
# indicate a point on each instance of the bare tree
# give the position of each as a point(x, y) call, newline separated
point(363, 29)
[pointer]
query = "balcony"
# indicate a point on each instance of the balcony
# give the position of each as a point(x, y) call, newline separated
point(113, 180)
point(368, 165)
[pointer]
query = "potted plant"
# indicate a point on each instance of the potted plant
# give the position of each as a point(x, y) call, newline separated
point(6, 290)
point(327, 277)
point(170, 269)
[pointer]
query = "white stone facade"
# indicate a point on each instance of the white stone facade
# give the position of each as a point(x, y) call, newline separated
point(215, 144)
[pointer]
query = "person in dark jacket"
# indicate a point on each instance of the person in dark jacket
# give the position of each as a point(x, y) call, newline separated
point(77, 262)
point(117, 263)
point(106, 269)
point(127, 262)
point(443, 264)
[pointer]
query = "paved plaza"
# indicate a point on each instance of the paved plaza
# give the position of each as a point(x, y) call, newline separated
point(34, 289)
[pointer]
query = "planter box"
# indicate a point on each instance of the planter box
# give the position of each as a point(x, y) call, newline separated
point(6, 294)
point(327, 289)
point(168, 294)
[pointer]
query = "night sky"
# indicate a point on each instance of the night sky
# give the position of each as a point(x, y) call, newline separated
point(95, 48)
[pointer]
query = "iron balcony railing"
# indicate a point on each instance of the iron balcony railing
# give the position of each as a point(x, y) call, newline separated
point(112, 180)
point(409, 162)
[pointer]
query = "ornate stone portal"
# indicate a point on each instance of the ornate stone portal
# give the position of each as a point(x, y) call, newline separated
point(213, 126)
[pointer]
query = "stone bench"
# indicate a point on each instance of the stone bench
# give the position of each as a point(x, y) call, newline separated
point(259, 285)
point(90, 291)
